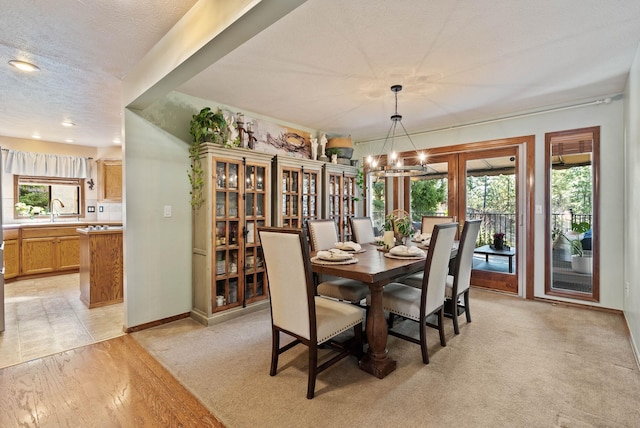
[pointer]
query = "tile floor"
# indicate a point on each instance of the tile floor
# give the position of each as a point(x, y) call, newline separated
point(44, 316)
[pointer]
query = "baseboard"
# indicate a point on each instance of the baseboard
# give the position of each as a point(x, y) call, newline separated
point(634, 345)
point(223, 316)
point(156, 323)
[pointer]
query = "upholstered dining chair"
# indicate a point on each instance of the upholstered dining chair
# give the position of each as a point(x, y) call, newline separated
point(362, 229)
point(457, 284)
point(429, 221)
point(323, 235)
point(420, 304)
point(296, 310)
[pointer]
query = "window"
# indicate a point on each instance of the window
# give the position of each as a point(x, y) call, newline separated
point(42, 196)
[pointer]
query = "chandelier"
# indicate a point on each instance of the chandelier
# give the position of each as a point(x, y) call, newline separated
point(395, 165)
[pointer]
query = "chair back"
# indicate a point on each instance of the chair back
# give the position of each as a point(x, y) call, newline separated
point(464, 259)
point(362, 229)
point(428, 222)
point(291, 288)
point(436, 267)
point(323, 234)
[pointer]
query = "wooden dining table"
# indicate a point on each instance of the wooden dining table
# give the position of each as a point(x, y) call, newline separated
point(375, 270)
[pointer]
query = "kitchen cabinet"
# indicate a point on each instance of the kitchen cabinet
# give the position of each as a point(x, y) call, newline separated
point(297, 188)
point(11, 253)
point(340, 196)
point(228, 268)
point(49, 249)
point(110, 180)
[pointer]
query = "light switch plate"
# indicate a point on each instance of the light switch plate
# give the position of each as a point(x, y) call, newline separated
point(167, 210)
point(101, 208)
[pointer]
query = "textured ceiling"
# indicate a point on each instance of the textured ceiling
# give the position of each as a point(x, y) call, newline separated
point(328, 65)
point(83, 48)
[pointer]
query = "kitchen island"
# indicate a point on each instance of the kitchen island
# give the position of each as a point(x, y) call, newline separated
point(101, 266)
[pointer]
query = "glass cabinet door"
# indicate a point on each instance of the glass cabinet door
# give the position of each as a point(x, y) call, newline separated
point(227, 234)
point(254, 275)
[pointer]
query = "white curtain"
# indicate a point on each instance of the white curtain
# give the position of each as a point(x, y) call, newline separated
point(47, 165)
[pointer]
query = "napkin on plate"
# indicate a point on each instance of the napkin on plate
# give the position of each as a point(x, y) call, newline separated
point(422, 237)
point(402, 250)
point(348, 246)
point(333, 254)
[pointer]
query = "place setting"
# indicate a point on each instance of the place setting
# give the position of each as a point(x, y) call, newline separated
point(422, 240)
point(334, 256)
point(402, 252)
point(349, 246)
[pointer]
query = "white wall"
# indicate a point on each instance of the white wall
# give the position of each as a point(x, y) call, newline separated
point(632, 205)
point(609, 118)
point(157, 249)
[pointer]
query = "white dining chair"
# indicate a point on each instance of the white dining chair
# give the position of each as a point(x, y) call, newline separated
point(362, 229)
point(323, 236)
point(296, 310)
point(459, 282)
point(429, 221)
point(419, 304)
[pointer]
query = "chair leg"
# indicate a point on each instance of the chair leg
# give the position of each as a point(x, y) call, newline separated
point(423, 341)
point(313, 370)
point(275, 345)
point(443, 341)
point(390, 320)
point(358, 341)
point(466, 305)
point(454, 316)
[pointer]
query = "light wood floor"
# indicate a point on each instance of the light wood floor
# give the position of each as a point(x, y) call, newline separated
point(114, 383)
point(44, 316)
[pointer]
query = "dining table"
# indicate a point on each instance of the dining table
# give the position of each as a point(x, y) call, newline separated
point(376, 270)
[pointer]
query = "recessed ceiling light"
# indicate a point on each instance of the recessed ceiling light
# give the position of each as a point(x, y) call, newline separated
point(23, 65)
point(68, 123)
point(69, 140)
point(36, 136)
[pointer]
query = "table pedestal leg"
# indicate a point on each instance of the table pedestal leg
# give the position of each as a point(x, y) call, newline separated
point(376, 361)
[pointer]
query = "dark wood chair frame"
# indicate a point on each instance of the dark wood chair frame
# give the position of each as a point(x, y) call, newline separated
point(352, 346)
point(426, 319)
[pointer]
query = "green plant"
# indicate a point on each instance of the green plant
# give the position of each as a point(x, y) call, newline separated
point(360, 182)
point(575, 243)
point(332, 151)
point(206, 126)
point(389, 222)
point(403, 226)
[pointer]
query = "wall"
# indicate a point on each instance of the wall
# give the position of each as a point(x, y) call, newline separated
point(632, 204)
point(40, 146)
point(157, 249)
point(609, 118)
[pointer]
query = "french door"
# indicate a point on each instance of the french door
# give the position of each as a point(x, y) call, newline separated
point(479, 183)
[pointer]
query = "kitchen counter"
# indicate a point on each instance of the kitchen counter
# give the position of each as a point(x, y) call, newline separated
point(101, 266)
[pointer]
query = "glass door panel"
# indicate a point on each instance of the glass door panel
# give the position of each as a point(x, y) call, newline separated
point(572, 163)
point(490, 193)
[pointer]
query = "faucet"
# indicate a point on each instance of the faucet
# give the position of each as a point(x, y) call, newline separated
point(51, 208)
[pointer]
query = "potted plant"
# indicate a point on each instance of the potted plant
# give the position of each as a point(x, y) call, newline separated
point(206, 126)
point(389, 233)
point(581, 261)
point(403, 228)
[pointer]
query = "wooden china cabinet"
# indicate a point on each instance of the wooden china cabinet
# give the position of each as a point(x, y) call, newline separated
point(228, 268)
point(340, 194)
point(297, 188)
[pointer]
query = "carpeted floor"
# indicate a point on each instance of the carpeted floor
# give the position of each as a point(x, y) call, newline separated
point(518, 364)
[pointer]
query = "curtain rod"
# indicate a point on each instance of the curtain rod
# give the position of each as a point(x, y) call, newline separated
point(606, 100)
point(6, 150)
